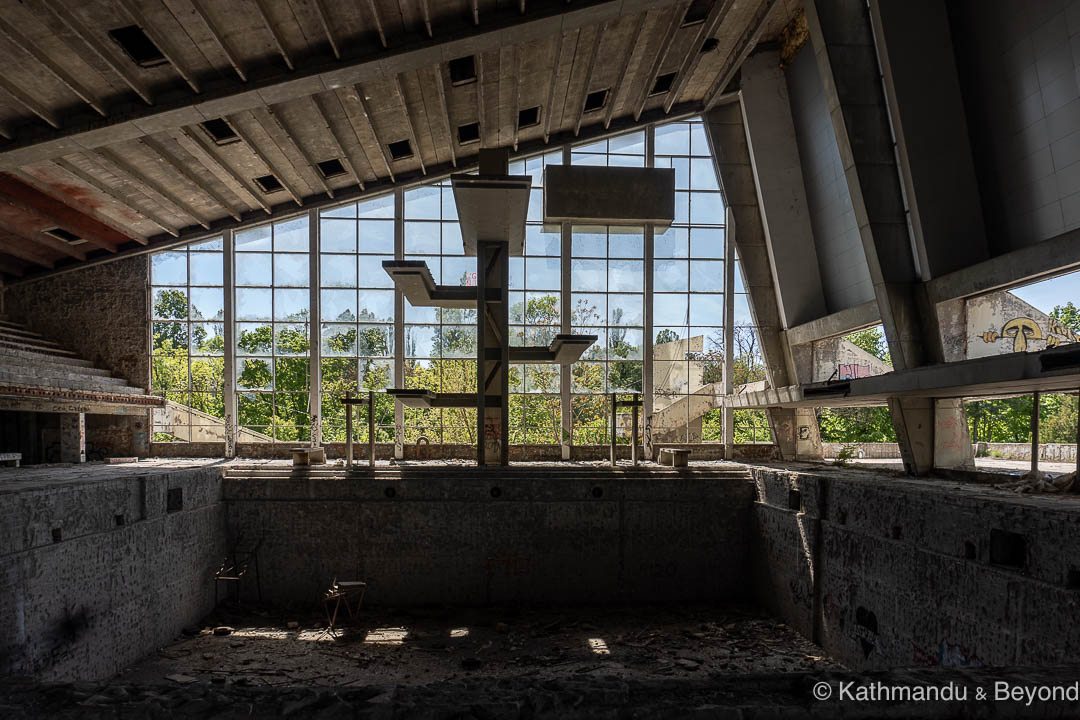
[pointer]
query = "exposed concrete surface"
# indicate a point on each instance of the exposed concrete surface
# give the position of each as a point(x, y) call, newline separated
point(98, 566)
point(885, 571)
point(427, 534)
point(398, 647)
point(718, 695)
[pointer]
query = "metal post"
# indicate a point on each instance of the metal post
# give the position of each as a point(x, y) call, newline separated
point(650, 333)
point(399, 325)
point(371, 428)
point(315, 332)
point(614, 417)
point(1035, 433)
point(348, 429)
point(729, 333)
point(1078, 434)
point(565, 376)
point(634, 431)
point(231, 420)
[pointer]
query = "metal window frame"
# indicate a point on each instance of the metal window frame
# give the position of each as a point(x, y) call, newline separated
point(314, 216)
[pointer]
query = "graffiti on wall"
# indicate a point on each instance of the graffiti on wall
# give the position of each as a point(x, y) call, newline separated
point(946, 654)
point(866, 629)
point(1021, 331)
point(853, 371)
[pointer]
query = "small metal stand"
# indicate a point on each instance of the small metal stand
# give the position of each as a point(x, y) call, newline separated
point(340, 591)
point(349, 402)
point(633, 404)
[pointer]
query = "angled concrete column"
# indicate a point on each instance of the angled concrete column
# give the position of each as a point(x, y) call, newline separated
point(731, 153)
point(843, 41)
point(73, 437)
point(774, 157)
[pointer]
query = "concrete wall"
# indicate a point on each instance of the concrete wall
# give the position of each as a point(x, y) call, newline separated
point(841, 359)
point(886, 572)
point(1001, 323)
point(549, 537)
point(845, 278)
point(95, 574)
point(1017, 63)
point(99, 312)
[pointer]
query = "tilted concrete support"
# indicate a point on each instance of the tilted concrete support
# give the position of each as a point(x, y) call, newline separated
point(731, 153)
point(778, 178)
point(73, 437)
point(796, 433)
point(932, 433)
point(727, 137)
point(843, 43)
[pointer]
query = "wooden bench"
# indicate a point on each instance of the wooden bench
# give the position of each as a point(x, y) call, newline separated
point(10, 458)
point(675, 457)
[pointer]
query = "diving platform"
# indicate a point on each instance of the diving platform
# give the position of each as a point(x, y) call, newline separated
point(414, 279)
point(563, 350)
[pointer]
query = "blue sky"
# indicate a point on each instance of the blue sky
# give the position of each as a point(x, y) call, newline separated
point(1048, 293)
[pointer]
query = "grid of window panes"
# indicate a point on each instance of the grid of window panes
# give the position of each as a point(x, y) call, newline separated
point(356, 300)
point(750, 426)
point(607, 282)
point(688, 287)
point(440, 343)
point(535, 315)
point(188, 328)
point(273, 332)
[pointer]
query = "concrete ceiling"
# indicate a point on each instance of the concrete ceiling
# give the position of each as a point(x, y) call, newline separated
point(114, 152)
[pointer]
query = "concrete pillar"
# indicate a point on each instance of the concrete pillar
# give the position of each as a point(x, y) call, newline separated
point(913, 420)
point(73, 437)
point(140, 434)
point(774, 157)
point(952, 437)
point(796, 434)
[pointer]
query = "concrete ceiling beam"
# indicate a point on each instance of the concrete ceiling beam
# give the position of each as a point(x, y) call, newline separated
point(693, 55)
point(75, 26)
point(182, 168)
point(110, 191)
point(64, 216)
point(230, 55)
point(230, 98)
point(658, 61)
point(747, 42)
point(13, 34)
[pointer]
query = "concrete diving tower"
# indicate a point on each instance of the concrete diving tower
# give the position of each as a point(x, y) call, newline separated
point(492, 208)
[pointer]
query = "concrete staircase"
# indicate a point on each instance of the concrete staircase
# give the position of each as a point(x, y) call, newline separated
point(29, 361)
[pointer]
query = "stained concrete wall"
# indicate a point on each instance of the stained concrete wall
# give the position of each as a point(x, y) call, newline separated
point(845, 277)
point(99, 312)
point(95, 574)
point(886, 572)
point(1017, 62)
point(548, 537)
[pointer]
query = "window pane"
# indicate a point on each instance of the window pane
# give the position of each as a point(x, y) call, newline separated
point(206, 268)
point(339, 270)
point(253, 239)
point(291, 270)
point(254, 269)
point(292, 235)
point(169, 268)
point(338, 236)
